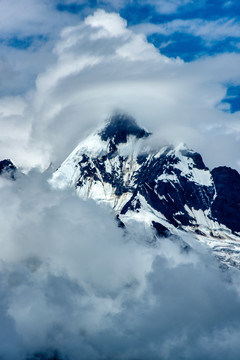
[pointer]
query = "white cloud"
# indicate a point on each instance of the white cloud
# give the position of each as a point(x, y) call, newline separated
point(110, 24)
point(28, 29)
point(228, 4)
point(162, 6)
point(138, 49)
point(209, 30)
point(169, 6)
point(71, 280)
point(30, 17)
point(95, 73)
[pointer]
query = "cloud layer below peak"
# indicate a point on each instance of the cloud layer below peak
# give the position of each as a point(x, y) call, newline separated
point(72, 281)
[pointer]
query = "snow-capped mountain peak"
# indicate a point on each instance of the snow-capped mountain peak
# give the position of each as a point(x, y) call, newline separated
point(8, 169)
point(110, 166)
point(120, 136)
point(169, 189)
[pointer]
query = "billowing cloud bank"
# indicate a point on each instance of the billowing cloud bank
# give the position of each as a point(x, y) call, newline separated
point(101, 65)
point(72, 281)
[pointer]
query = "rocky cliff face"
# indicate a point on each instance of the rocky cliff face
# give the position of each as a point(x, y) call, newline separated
point(226, 205)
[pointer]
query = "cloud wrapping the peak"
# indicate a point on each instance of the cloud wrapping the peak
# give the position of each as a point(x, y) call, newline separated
point(102, 62)
point(102, 65)
point(93, 63)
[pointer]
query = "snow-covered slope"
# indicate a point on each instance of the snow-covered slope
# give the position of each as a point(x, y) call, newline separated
point(170, 189)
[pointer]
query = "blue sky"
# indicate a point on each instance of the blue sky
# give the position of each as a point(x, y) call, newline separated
point(184, 44)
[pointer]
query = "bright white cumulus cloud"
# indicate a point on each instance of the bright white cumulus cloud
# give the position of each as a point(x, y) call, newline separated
point(102, 65)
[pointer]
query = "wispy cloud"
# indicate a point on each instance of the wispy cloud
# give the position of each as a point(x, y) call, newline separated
point(207, 29)
point(168, 7)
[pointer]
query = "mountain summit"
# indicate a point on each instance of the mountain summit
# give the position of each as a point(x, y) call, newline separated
point(119, 127)
point(8, 169)
point(170, 190)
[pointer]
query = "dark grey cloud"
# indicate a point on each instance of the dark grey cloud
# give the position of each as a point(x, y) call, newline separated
point(71, 280)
